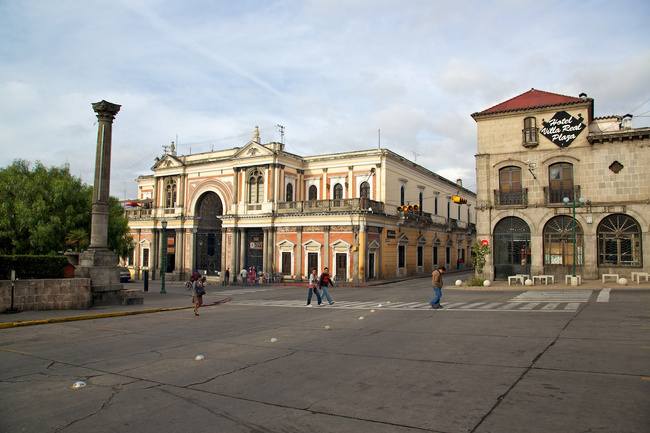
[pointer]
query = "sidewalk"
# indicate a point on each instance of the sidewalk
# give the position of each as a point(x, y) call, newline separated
point(179, 298)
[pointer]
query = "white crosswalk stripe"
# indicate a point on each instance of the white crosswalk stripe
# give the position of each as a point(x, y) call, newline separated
point(422, 306)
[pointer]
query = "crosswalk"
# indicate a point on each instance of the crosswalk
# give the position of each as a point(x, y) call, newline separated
point(566, 301)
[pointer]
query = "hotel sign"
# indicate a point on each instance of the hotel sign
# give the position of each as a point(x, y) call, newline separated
point(563, 128)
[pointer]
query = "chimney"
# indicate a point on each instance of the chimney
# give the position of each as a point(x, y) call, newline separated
point(459, 182)
point(627, 122)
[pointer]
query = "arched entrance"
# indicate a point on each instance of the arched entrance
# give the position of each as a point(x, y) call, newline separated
point(511, 248)
point(207, 253)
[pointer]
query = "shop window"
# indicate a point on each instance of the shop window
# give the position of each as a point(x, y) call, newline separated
point(619, 241)
point(558, 242)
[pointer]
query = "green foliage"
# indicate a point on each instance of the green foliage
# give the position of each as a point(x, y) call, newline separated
point(32, 266)
point(41, 209)
point(478, 259)
point(475, 281)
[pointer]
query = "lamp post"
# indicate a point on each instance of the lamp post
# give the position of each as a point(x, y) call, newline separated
point(569, 202)
point(163, 223)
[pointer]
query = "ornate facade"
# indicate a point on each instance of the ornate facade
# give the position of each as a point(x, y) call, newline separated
point(543, 158)
point(260, 206)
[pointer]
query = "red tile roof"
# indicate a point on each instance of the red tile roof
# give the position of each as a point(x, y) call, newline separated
point(530, 99)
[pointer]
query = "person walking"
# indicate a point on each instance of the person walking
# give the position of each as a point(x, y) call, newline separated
point(226, 277)
point(323, 281)
point(437, 287)
point(313, 288)
point(197, 295)
point(244, 277)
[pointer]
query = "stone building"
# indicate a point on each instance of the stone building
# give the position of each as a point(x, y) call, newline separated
point(260, 206)
point(542, 157)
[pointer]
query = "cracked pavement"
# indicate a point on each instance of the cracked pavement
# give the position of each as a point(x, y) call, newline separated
point(395, 371)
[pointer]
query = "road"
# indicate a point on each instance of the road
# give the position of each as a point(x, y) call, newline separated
point(491, 361)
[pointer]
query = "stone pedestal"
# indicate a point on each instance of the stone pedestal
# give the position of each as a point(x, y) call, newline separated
point(101, 267)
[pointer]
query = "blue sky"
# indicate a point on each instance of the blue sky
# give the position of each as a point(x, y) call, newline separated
point(332, 72)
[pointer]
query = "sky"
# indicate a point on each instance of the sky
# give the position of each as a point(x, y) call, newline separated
point(339, 75)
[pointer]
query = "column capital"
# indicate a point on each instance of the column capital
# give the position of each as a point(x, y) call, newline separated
point(105, 110)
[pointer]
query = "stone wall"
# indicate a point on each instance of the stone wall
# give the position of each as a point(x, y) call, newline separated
point(49, 294)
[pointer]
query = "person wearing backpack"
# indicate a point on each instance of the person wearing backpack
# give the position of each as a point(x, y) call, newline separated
point(323, 281)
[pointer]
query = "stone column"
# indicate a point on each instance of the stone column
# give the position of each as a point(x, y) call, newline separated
point(99, 220)
point(299, 254)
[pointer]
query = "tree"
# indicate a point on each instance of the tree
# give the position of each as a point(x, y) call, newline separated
point(41, 208)
point(478, 260)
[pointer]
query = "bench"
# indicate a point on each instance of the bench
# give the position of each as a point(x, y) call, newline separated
point(639, 275)
point(515, 278)
point(567, 279)
point(545, 278)
point(615, 276)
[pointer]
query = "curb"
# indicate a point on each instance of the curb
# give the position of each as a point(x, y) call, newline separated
point(89, 317)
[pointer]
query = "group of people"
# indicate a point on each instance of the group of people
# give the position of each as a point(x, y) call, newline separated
point(248, 276)
point(316, 283)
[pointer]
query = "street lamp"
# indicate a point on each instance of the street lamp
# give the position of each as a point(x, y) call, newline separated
point(569, 202)
point(164, 255)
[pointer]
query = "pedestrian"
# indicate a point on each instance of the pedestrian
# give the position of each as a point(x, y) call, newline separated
point(437, 287)
point(197, 295)
point(195, 276)
point(324, 281)
point(313, 288)
point(251, 276)
point(244, 276)
point(226, 277)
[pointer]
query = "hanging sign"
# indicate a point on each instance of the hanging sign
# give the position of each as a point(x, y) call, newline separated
point(563, 128)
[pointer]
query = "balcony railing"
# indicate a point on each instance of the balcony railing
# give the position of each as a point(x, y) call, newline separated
point(556, 195)
point(337, 205)
point(511, 198)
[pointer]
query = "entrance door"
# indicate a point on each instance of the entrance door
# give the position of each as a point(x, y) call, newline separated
point(341, 266)
point(255, 249)
point(511, 248)
point(312, 262)
point(371, 266)
point(286, 263)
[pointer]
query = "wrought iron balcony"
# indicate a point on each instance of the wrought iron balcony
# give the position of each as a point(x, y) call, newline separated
point(511, 198)
point(337, 205)
point(556, 195)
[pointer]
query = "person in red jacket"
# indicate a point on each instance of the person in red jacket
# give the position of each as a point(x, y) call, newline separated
point(323, 281)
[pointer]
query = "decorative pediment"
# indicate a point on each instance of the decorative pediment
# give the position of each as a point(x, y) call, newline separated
point(374, 245)
point(167, 161)
point(252, 150)
point(286, 245)
point(311, 245)
point(340, 245)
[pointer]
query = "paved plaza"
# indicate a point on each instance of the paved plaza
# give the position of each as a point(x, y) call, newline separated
point(504, 359)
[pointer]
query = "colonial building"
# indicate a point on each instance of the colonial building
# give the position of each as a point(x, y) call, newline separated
point(262, 207)
point(543, 158)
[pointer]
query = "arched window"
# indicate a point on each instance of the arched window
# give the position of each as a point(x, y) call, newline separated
point(313, 192)
point(338, 191)
point(510, 186)
point(364, 190)
point(170, 194)
point(558, 242)
point(289, 193)
point(402, 196)
point(256, 187)
point(619, 241)
point(560, 178)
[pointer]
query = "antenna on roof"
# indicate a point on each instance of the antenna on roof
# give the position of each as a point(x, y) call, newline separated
point(281, 133)
point(379, 139)
point(415, 156)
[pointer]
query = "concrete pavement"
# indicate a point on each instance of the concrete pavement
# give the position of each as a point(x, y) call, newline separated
point(177, 297)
